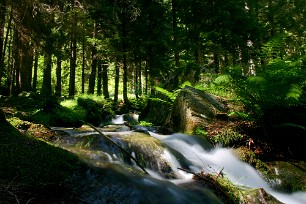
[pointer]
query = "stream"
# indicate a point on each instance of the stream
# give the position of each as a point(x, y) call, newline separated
point(120, 180)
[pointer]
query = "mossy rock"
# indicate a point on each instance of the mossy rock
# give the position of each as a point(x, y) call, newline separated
point(2, 116)
point(149, 152)
point(193, 108)
point(250, 157)
point(155, 112)
point(291, 176)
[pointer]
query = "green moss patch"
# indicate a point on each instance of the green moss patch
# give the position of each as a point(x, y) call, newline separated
point(25, 159)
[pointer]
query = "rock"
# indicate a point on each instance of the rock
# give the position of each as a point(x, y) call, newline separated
point(194, 108)
point(259, 196)
point(155, 112)
point(2, 116)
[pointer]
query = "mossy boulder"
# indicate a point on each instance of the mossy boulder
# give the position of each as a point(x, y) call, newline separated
point(194, 108)
point(149, 152)
point(156, 112)
point(2, 116)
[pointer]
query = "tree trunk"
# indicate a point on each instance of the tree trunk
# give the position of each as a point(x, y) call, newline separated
point(16, 61)
point(125, 71)
point(139, 76)
point(99, 82)
point(92, 77)
point(136, 78)
point(83, 64)
point(26, 64)
point(105, 80)
point(146, 78)
point(2, 25)
point(46, 88)
point(117, 77)
point(175, 35)
point(72, 65)
point(58, 87)
point(35, 70)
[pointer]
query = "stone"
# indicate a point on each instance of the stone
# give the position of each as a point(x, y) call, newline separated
point(194, 108)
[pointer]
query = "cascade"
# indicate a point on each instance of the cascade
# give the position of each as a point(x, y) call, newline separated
point(179, 150)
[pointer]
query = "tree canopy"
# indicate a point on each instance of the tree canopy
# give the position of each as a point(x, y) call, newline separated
point(127, 47)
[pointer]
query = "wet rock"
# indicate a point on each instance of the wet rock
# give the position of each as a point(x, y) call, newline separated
point(259, 195)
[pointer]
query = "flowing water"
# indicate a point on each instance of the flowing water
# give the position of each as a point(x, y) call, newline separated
point(117, 183)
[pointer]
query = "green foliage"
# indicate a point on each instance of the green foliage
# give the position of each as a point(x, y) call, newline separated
point(138, 103)
point(239, 114)
point(274, 47)
point(97, 111)
point(227, 138)
point(200, 131)
point(170, 95)
point(145, 123)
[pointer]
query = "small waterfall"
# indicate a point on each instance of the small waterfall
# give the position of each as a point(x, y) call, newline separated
point(212, 161)
point(162, 160)
point(118, 120)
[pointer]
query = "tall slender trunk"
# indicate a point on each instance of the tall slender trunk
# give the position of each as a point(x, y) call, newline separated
point(99, 82)
point(125, 72)
point(139, 76)
point(105, 80)
point(175, 34)
point(16, 61)
point(92, 77)
point(136, 78)
point(47, 89)
point(146, 78)
point(34, 86)
point(117, 77)
point(58, 87)
point(72, 65)
point(2, 25)
point(26, 64)
point(83, 64)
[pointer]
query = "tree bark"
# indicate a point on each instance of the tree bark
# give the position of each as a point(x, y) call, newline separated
point(16, 61)
point(83, 63)
point(34, 86)
point(47, 89)
point(117, 77)
point(72, 65)
point(99, 82)
point(2, 25)
point(105, 80)
point(175, 35)
point(26, 64)
point(92, 77)
point(58, 87)
point(125, 71)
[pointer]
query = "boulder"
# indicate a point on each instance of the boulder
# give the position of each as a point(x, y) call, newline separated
point(2, 116)
point(194, 108)
point(155, 112)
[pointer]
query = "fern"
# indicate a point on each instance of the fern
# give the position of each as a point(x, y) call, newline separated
point(274, 47)
point(170, 95)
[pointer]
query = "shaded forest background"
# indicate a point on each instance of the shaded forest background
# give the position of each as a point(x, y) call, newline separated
point(116, 48)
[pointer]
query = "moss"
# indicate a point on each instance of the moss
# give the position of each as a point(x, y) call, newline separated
point(26, 159)
point(250, 157)
point(291, 174)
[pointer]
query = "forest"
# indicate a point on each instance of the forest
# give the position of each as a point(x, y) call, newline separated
point(81, 63)
point(127, 47)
